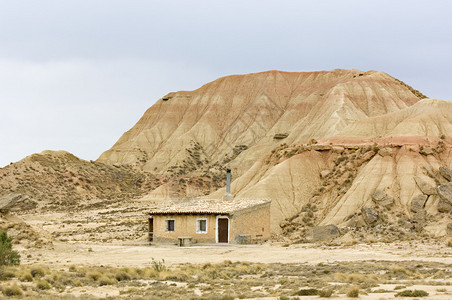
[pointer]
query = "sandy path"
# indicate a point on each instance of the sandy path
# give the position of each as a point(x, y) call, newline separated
point(96, 254)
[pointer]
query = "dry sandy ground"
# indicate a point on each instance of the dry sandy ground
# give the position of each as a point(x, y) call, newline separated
point(132, 255)
point(95, 238)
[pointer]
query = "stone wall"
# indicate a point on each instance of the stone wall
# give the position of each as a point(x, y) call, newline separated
point(253, 222)
point(184, 225)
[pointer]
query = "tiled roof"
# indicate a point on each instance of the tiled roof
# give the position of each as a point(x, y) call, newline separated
point(209, 206)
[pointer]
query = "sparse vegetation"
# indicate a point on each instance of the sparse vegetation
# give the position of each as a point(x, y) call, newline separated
point(307, 292)
point(224, 280)
point(412, 293)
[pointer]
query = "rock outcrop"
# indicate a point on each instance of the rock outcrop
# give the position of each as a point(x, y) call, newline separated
point(323, 233)
point(426, 187)
point(381, 198)
point(418, 202)
point(370, 216)
point(446, 173)
point(9, 200)
point(445, 193)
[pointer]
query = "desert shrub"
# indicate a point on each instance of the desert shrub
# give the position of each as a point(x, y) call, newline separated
point(37, 272)
point(326, 293)
point(93, 275)
point(353, 292)
point(6, 274)
point(179, 277)
point(104, 280)
point(411, 293)
point(306, 292)
point(283, 298)
point(121, 276)
point(43, 285)
point(26, 277)
point(13, 290)
point(158, 265)
point(8, 256)
point(72, 269)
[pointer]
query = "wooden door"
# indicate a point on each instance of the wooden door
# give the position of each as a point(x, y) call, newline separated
point(223, 230)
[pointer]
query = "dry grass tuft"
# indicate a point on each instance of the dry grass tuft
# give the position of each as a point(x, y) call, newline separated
point(105, 280)
point(38, 271)
point(43, 285)
point(13, 290)
point(326, 293)
point(353, 292)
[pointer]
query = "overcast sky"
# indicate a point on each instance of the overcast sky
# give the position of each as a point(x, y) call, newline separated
point(75, 75)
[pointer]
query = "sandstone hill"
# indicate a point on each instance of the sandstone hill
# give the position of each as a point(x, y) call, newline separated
point(241, 118)
point(327, 147)
point(58, 181)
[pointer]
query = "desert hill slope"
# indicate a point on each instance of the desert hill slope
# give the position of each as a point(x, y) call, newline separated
point(340, 180)
point(328, 147)
point(243, 117)
point(428, 117)
point(58, 181)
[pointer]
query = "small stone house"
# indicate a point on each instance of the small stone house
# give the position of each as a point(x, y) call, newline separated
point(237, 221)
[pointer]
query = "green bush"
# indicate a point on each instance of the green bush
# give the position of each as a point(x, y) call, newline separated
point(8, 256)
point(411, 293)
